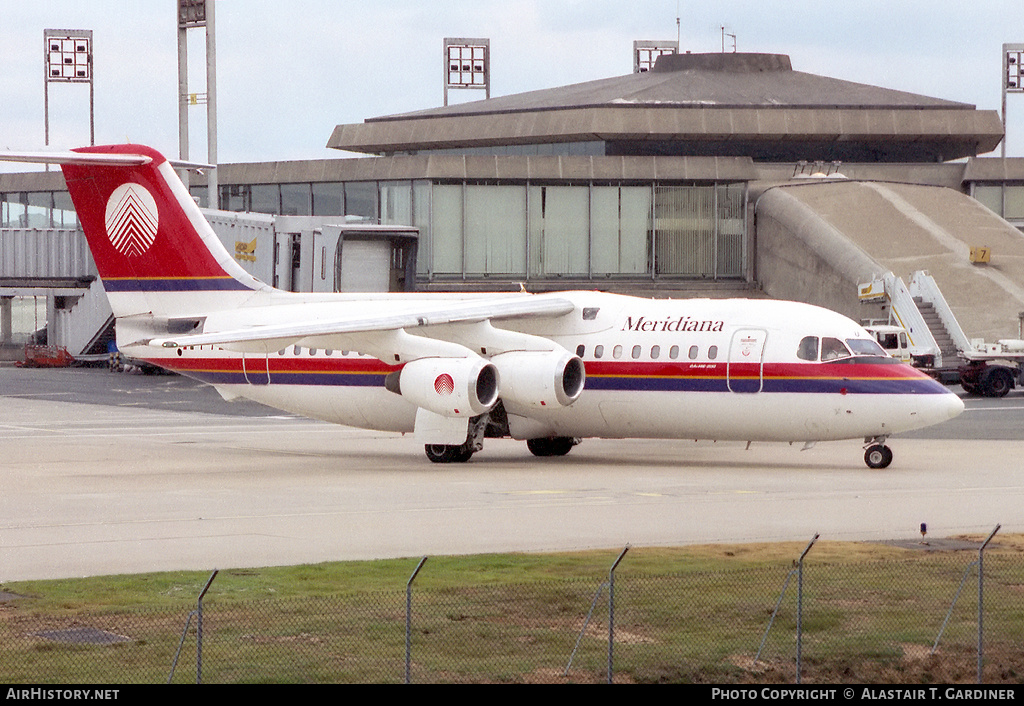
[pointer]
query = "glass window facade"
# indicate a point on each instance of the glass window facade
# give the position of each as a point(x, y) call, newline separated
point(37, 209)
point(533, 231)
point(511, 231)
point(992, 197)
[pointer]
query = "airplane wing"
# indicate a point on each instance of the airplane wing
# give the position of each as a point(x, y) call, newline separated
point(413, 316)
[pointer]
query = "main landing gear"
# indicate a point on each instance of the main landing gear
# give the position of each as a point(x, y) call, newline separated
point(877, 454)
point(441, 453)
point(552, 446)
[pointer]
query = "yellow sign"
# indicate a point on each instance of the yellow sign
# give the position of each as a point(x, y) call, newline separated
point(245, 251)
point(981, 254)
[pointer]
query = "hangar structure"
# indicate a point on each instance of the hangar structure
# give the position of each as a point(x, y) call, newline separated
point(711, 175)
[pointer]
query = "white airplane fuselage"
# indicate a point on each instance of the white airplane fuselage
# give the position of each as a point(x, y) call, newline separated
point(695, 368)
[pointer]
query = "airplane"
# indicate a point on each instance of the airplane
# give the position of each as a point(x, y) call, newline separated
point(453, 369)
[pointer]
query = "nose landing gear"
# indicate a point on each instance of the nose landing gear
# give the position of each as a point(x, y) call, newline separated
point(877, 454)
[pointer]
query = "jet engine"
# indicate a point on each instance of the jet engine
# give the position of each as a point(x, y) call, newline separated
point(452, 387)
point(539, 379)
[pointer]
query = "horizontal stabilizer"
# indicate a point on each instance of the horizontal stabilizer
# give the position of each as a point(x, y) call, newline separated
point(92, 159)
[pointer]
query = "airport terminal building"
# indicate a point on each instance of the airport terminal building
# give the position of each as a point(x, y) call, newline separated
point(711, 175)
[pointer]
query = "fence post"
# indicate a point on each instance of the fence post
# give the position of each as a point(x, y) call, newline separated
point(611, 611)
point(199, 633)
point(408, 621)
point(199, 627)
point(800, 607)
point(981, 573)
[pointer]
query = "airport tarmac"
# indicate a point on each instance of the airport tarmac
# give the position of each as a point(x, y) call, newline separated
point(110, 473)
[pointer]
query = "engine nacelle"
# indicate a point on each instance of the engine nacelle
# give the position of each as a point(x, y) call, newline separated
point(452, 387)
point(539, 379)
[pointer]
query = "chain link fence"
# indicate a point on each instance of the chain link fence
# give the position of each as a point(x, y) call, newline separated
point(913, 621)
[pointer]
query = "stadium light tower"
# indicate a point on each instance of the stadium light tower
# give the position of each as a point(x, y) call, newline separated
point(1013, 78)
point(193, 14)
point(1012, 82)
point(67, 58)
point(467, 64)
point(646, 53)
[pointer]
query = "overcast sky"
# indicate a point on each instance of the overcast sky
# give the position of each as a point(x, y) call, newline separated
point(288, 72)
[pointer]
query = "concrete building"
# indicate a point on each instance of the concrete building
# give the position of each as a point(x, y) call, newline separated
point(712, 175)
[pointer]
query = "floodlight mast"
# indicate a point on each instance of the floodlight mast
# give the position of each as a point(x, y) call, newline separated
point(1012, 82)
point(195, 14)
point(646, 53)
point(67, 58)
point(467, 64)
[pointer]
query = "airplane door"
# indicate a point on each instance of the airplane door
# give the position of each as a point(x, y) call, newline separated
point(745, 367)
point(256, 368)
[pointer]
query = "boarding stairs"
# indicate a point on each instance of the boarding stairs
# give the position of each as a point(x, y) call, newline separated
point(942, 337)
point(922, 311)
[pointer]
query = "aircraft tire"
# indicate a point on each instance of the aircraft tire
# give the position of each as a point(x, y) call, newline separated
point(554, 446)
point(878, 456)
point(441, 453)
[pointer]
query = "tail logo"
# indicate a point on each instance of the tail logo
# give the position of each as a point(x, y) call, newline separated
point(131, 219)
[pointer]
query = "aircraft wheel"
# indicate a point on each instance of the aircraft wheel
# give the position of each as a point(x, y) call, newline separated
point(878, 456)
point(554, 446)
point(441, 453)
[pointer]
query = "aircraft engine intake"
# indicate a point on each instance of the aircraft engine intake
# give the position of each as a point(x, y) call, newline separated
point(452, 387)
point(540, 379)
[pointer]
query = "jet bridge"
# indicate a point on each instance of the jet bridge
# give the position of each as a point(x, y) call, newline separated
point(53, 264)
point(295, 253)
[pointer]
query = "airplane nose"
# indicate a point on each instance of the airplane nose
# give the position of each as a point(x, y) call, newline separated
point(954, 405)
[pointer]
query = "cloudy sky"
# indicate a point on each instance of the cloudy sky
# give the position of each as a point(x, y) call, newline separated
point(288, 72)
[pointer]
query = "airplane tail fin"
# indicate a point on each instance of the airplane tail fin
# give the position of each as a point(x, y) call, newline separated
point(154, 250)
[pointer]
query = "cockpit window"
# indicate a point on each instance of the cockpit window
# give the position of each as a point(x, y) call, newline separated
point(833, 349)
point(865, 346)
point(808, 348)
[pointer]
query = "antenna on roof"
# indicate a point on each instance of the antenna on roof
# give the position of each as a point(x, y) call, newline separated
point(724, 35)
point(678, 31)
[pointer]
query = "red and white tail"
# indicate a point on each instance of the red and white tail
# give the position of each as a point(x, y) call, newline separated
point(154, 250)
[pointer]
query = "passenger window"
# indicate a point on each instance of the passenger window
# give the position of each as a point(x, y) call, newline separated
point(808, 348)
point(580, 350)
point(598, 351)
point(298, 350)
point(833, 349)
point(692, 353)
point(312, 351)
point(636, 352)
point(617, 352)
point(673, 352)
point(655, 352)
point(712, 352)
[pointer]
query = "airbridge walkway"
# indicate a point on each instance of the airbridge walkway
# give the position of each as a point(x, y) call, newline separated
point(817, 240)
